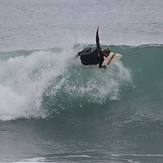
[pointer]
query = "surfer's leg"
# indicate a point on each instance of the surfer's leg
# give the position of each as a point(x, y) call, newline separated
point(83, 59)
point(87, 50)
point(84, 51)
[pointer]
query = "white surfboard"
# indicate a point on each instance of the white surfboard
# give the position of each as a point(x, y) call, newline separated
point(112, 58)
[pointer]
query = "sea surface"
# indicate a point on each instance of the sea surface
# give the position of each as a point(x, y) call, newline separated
point(54, 109)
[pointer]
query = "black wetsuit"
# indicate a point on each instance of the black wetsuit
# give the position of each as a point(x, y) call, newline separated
point(92, 57)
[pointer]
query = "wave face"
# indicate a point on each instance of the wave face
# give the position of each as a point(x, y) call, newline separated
point(44, 83)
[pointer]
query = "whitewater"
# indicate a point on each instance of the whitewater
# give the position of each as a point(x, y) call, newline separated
point(54, 109)
point(27, 79)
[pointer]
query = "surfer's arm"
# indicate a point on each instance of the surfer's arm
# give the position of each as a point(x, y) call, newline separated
point(99, 51)
point(100, 63)
point(97, 39)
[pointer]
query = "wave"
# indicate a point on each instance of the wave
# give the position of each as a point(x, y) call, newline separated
point(43, 83)
point(23, 79)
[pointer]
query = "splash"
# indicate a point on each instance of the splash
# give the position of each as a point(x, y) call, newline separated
point(23, 80)
point(34, 85)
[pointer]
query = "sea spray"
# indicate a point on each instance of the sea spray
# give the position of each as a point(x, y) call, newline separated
point(23, 80)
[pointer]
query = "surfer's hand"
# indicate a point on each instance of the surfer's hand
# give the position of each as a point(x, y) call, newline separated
point(97, 28)
point(102, 66)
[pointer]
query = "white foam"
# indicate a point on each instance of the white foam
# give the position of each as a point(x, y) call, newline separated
point(95, 84)
point(111, 80)
point(23, 80)
point(33, 160)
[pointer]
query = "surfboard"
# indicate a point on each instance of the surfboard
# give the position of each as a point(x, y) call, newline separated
point(112, 58)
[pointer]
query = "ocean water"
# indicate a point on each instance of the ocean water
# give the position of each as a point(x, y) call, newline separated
point(53, 109)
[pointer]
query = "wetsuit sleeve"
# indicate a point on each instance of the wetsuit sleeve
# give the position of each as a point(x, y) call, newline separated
point(100, 63)
point(98, 44)
point(97, 39)
point(99, 51)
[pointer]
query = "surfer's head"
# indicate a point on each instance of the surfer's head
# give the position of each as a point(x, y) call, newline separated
point(106, 52)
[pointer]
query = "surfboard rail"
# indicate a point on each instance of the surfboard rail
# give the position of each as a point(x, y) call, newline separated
point(112, 58)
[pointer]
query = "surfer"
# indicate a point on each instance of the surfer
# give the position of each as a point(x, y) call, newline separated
point(95, 56)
